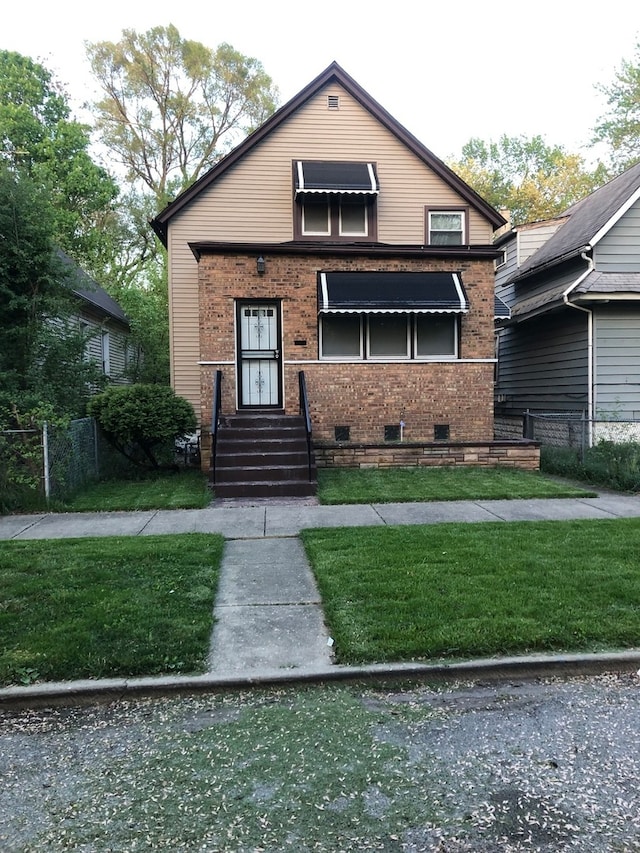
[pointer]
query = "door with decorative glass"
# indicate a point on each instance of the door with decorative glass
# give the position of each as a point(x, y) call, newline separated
point(259, 367)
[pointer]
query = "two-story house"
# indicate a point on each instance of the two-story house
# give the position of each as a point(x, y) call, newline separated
point(572, 342)
point(332, 243)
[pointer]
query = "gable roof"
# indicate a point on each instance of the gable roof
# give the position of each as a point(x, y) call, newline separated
point(332, 74)
point(90, 292)
point(587, 221)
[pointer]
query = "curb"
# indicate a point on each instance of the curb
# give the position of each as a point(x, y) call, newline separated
point(494, 669)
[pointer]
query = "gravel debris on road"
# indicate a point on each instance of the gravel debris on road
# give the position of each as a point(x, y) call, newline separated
point(547, 765)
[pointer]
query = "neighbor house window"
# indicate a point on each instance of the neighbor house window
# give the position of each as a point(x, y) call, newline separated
point(106, 353)
point(446, 227)
point(389, 336)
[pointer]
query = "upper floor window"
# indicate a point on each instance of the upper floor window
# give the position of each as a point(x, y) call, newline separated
point(334, 217)
point(446, 227)
point(335, 200)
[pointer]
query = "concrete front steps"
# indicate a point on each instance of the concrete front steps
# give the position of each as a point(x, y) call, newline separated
point(262, 454)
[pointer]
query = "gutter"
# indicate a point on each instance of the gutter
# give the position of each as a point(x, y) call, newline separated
point(567, 301)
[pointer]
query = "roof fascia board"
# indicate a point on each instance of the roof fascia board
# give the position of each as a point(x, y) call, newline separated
point(552, 262)
point(620, 212)
point(200, 248)
point(623, 296)
point(333, 73)
point(100, 309)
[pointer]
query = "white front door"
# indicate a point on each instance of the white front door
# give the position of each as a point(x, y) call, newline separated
point(259, 354)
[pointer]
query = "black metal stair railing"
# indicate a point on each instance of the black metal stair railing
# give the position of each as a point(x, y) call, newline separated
point(304, 411)
point(216, 410)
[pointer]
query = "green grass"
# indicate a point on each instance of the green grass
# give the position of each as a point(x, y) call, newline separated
point(466, 590)
point(185, 490)
point(95, 608)
point(390, 485)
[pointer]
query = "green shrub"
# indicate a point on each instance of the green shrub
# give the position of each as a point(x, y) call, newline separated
point(141, 420)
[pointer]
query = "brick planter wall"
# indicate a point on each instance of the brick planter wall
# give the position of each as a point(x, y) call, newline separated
point(508, 454)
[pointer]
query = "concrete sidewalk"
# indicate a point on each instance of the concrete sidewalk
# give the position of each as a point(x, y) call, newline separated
point(266, 520)
point(269, 625)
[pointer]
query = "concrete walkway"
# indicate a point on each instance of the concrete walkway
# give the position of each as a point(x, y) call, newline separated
point(269, 623)
point(268, 611)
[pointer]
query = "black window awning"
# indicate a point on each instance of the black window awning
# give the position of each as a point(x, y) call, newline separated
point(315, 176)
point(391, 292)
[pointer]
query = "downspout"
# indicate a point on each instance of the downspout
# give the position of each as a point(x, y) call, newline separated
point(590, 371)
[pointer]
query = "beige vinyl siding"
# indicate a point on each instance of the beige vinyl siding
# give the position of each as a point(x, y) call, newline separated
point(253, 202)
point(532, 237)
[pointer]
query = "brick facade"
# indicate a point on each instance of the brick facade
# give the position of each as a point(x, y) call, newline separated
point(367, 395)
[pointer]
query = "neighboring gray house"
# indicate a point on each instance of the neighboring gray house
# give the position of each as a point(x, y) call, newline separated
point(572, 342)
point(104, 322)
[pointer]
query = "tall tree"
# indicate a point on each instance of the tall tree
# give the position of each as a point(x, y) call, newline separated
point(39, 138)
point(40, 345)
point(526, 176)
point(172, 107)
point(619, 128)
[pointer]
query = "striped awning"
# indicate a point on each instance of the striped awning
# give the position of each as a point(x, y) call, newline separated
point(501, 309)
point(391, 292)
point(333, 177)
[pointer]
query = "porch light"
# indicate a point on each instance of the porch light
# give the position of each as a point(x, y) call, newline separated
point(260, 265)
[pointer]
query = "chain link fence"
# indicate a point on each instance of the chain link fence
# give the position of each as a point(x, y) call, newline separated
point(37, 465)
point(70, 457)
point(53, 462)
point(577, 432)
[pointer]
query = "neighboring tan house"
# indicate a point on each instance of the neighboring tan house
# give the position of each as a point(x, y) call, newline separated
point(572, 344)
point(332, 242)
point(104, 323)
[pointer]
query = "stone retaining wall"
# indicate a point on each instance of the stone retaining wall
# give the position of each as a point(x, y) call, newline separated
point(509, 454)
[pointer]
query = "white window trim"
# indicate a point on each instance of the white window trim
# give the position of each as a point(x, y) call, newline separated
point(386, 357)
point(441, 355)
point(445, 212)
point(310, 233)
point(412, 338)
point(323, 357)
point(364, 233)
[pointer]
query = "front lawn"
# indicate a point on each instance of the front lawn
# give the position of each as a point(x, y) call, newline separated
point(108, 607)
point(450, 483)
point(183, 490)
point(467, 590)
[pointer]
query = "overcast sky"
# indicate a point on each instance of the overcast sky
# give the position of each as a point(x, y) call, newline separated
point(446, 71)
